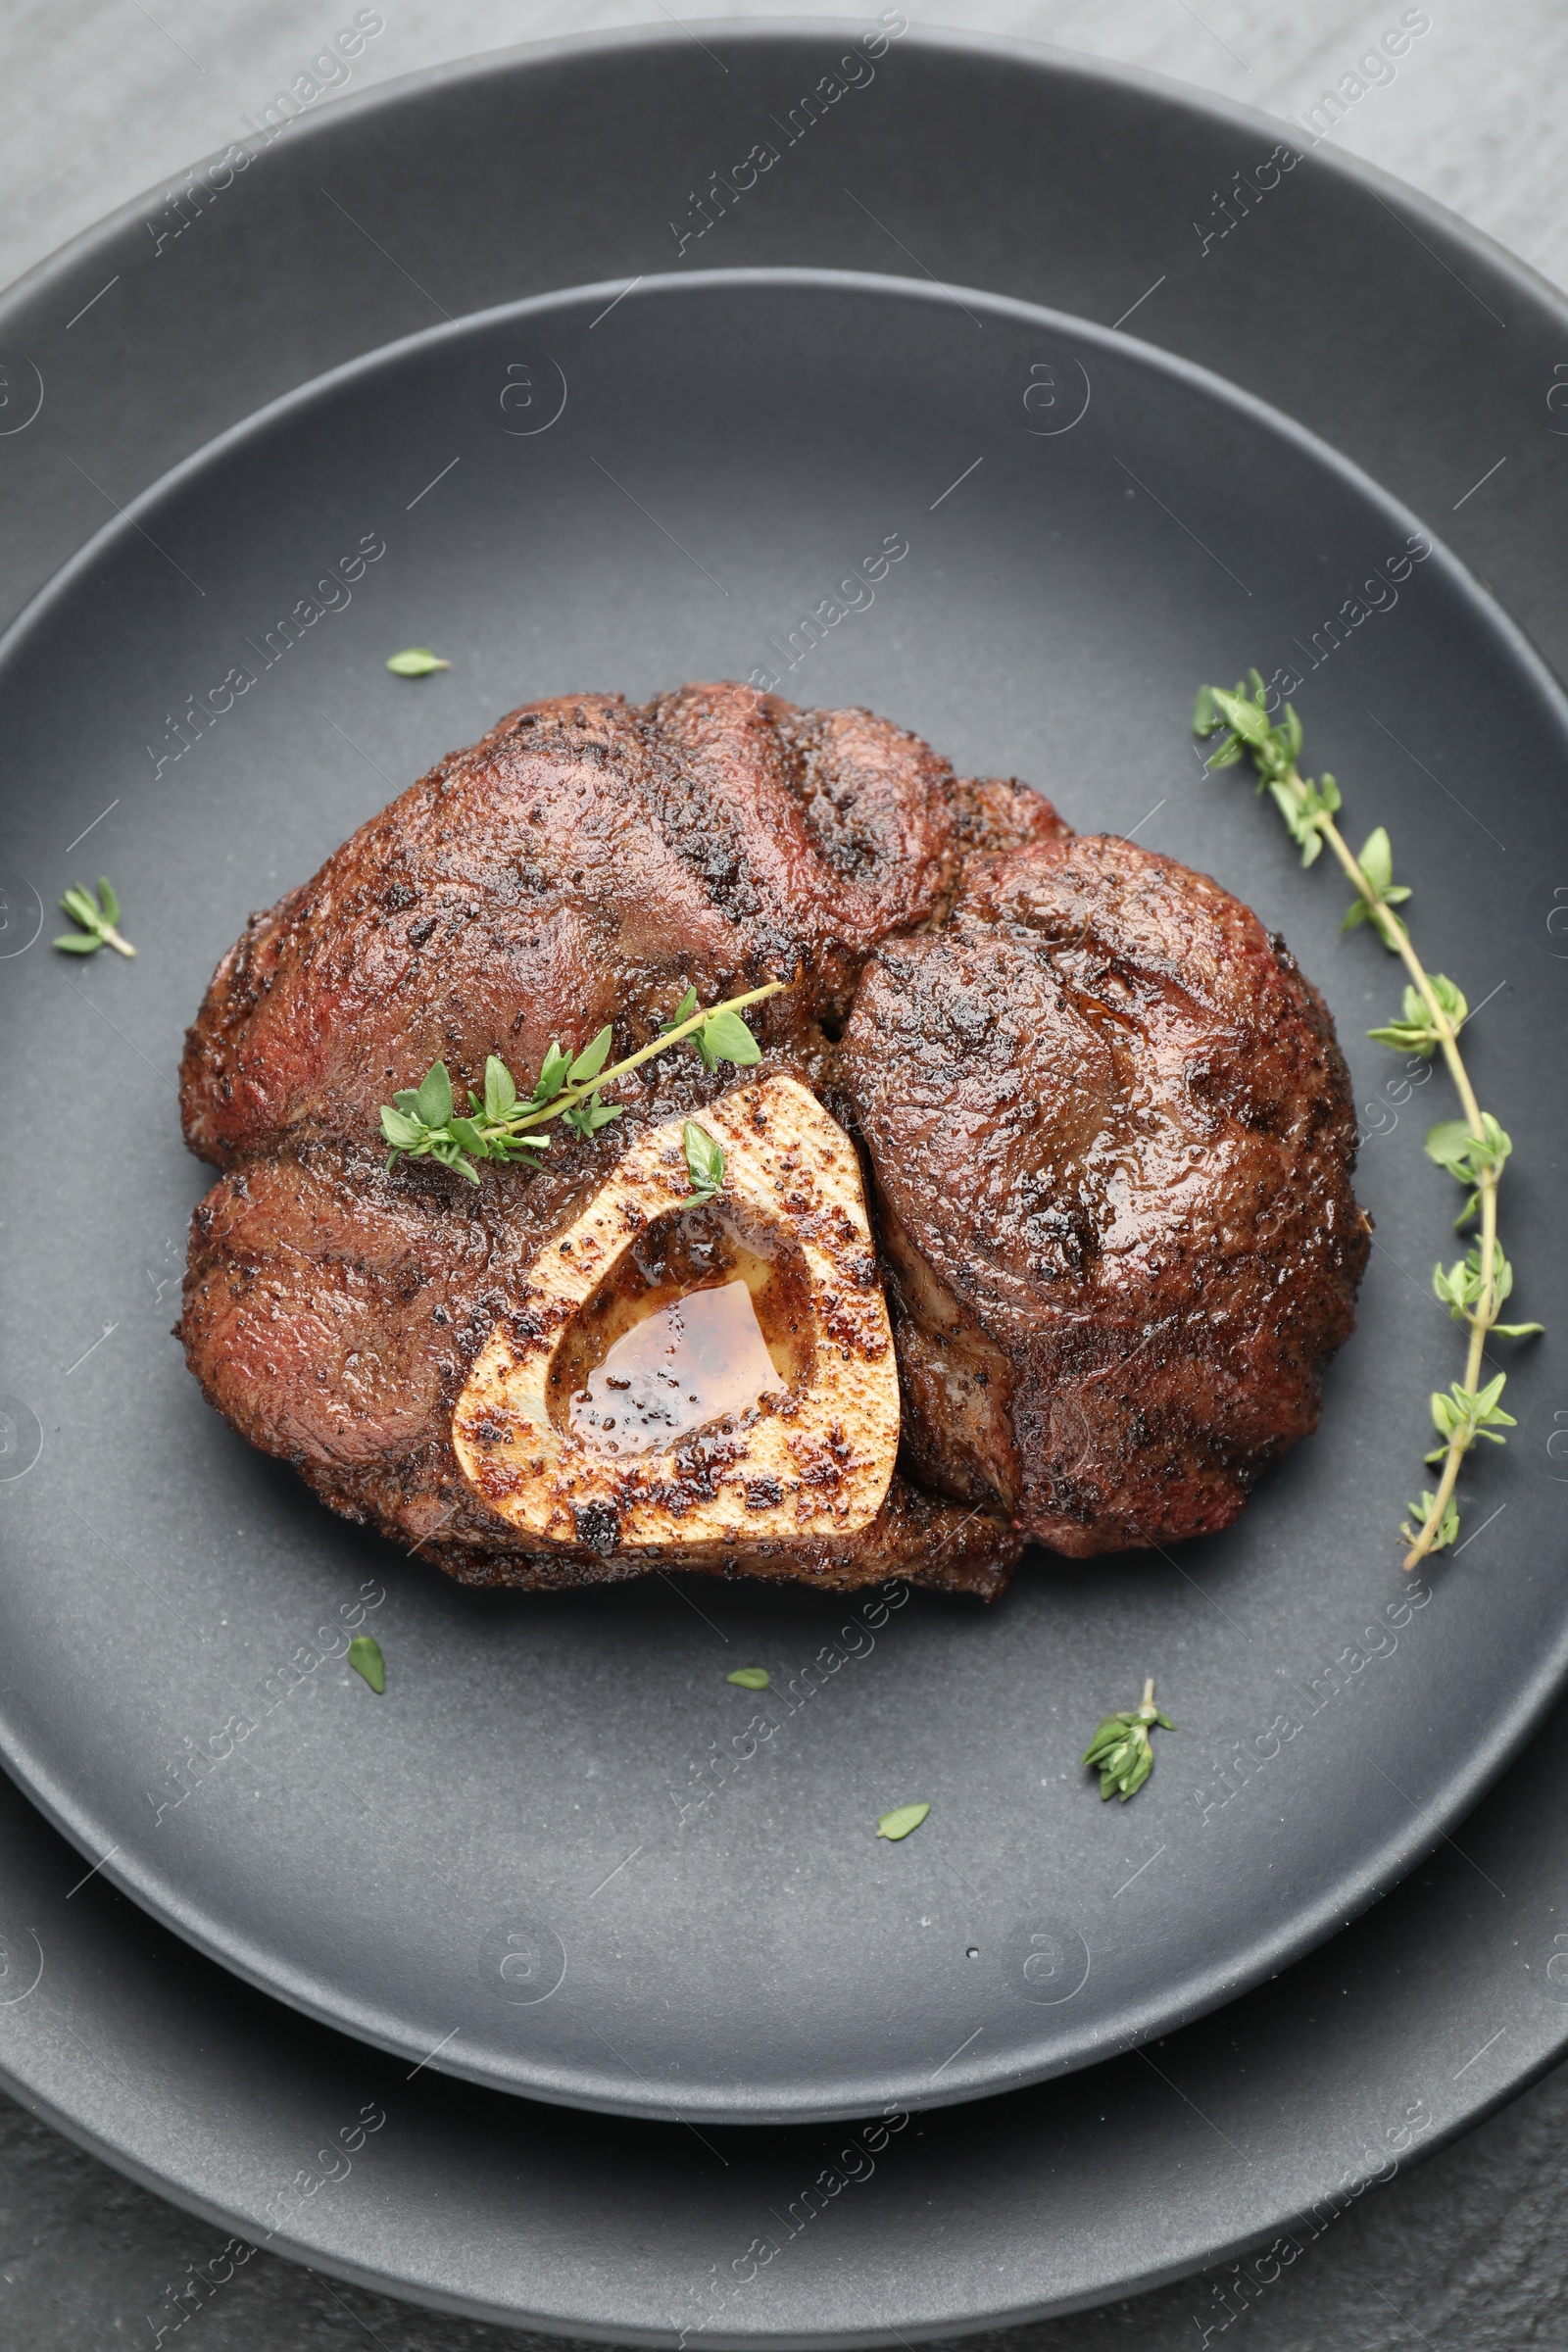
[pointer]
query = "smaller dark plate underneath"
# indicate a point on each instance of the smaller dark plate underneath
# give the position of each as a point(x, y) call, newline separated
point(1275, 2117)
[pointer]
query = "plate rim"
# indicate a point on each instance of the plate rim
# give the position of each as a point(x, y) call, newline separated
point(421, 2294)
point(481, 65)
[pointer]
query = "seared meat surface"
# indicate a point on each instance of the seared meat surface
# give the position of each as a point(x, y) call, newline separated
point(1108, 1124)
point(1113, 1136)
point(587, 862)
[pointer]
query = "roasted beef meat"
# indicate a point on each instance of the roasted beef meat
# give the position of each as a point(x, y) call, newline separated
point(1106, 1124)
point(1113, 1136)
point(587, 862)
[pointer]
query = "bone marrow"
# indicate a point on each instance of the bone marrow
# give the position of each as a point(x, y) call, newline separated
point(797, 1436)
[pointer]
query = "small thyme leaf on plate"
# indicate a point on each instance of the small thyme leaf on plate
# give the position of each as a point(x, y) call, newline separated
point(1121, 1751)
point(1473, 1148)
point(1422, 1514)
point(1377, 863)
point(900, 1820)
point(1460, 1288)
point(422, 1122)
point(416, 661)
point(705, 1161)
point(364, 1657)
point(1468, 1414)
point(1414, 1034)
point(750, 1677)
point(98, 913)
point(1453, 1147)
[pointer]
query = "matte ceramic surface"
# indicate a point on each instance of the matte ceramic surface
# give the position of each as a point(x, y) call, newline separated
point(1378, 390)
point(564, 1855)
point(1275, 2115)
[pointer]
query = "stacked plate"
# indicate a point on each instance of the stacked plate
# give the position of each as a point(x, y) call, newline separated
point(576, 1990)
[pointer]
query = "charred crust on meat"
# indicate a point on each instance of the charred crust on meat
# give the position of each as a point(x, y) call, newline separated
point(597, 1525)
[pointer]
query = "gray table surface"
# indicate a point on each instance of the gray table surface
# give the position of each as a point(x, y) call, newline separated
point(99, 99)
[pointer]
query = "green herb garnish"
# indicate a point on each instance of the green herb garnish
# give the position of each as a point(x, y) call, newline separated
point(900, 1820)
point(705, 1161)
point(1121, 1751)
point(419, 1121)
point(416, 663)
point(364, 1657)
point(98, 915)
point(1472, 1148)
point(723, 1036)
point(750, 1677)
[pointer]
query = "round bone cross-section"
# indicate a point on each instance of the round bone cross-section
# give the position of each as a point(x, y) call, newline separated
point(807, 1456)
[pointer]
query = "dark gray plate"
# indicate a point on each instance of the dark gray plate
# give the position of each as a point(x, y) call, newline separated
point(1409, 341)
point(1277, 2115)
point(562, 1855)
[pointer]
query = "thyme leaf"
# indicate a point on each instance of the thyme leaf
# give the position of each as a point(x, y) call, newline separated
point(416, 663)
point(1121, 1751)
point(722, 1037)
point(705, 1161)
point(364, 1657)
point(1414, 1034)
point(900, 1820)
point(98, 914)
point(1424, 1512)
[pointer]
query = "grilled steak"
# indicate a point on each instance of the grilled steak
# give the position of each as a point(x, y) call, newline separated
point(1109, 1129)
point(1113, 1136)
point(587, 862)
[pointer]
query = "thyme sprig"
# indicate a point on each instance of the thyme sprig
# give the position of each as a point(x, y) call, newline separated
point(421, 1122)
point(1121, 1751)
point(98, 913)
point(705, 1161)
point(1473, 1148)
